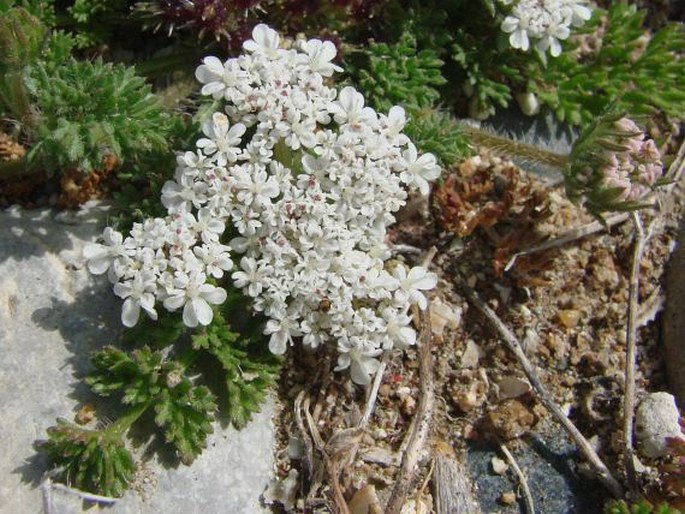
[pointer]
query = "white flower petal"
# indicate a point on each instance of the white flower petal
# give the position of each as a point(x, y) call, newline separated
point(130, 313)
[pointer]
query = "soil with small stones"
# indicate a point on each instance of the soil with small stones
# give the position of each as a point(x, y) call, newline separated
point(567, 306)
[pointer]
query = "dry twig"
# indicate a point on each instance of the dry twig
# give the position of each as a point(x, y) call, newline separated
point(642, 237)
point(527, 497)
point(372, 392)
point(310, 479)
point(419, 432)
point(570, 236)
point(631, 336)
point(452, 487)
point(48, 486)
point(603, 473)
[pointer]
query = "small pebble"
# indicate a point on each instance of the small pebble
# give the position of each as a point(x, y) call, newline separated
point(508, 498)
point(499, 466)
point(657, 419)
point(569, 318)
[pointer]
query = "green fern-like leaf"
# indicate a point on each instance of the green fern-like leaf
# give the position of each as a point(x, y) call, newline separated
point(137, 376)
point(88, 110)
point(248, 369)
point(145, 378)
point(401, 74)
point(437, 132)
point(185, 414)
point(91, 460)
point(637, 79)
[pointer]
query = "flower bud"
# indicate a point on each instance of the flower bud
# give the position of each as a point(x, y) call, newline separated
point(613, 167)
point(528, 102)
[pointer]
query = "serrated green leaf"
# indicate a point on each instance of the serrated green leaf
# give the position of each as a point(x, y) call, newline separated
point(185, 415)
point(91, 460)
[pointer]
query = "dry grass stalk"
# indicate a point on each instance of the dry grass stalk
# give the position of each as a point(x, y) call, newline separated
point(601, 470)
point(418, 433)
point(527, 496)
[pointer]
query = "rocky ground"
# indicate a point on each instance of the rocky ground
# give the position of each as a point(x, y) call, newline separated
point(567, 305)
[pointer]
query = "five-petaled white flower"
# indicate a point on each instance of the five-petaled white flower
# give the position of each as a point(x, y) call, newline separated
point(194, 294)
point(265, 41)
point(419, 170)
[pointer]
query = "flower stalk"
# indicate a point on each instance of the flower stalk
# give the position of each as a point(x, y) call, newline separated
point(515, 148)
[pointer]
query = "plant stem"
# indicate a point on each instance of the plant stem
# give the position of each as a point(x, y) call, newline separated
point(631, 336)
point(547, 400)
point(419, 430)
point(514, 148)
point(121, 425)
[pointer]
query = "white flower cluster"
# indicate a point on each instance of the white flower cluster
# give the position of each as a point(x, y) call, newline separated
point(306, 179)
point(546, 22)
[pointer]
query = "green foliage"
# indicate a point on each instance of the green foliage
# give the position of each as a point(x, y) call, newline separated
point(91, 460)
point(88, 110)
point(137, 376)
point(184, 411)
point(164, 332)
point(94, 20)
point(21, 39)
point(640, 75)
point(477, 63)
point(640, 507)
point(44, 10)
point(401, 74)
point(438, 132)
point(140, 187)
point(248, 370)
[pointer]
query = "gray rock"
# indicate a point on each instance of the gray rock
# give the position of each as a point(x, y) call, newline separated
point(551, 463)
point(53, 315)
point(657, 418)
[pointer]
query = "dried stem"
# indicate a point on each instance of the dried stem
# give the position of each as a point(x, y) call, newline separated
point(570, 236)
point(603, 473)
point(373, 391)
point(527, 497)
point(48, 486)
point(631, 337)
point(308, 462)
point(419, 431)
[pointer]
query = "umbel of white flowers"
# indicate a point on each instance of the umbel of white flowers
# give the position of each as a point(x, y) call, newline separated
point(546, 22)
point(288, 196)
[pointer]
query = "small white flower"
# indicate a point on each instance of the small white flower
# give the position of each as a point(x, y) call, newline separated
point(99, 257)
point(191, 292)
point(219, 78)
point(253, 276)
point(222, 139)
point(215, 257)
point(320, 54)
point(265, 41)
point(137, 294)
point(518, 30)
point(349, 108)
point(411, 284)
point(282, 330)
point(360, 358)
point(544, 23)
point(419, 170)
